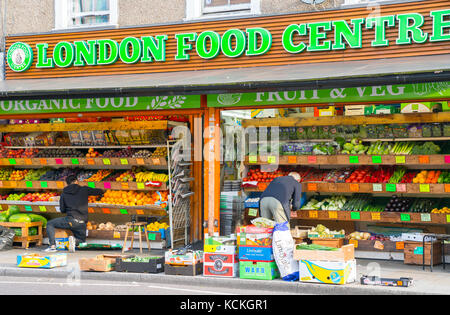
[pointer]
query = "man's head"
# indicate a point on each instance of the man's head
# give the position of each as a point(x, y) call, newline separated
point(296, 176)
point(71, 179)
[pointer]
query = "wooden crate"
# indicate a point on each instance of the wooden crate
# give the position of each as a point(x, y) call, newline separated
point(26, 239)
point(413, 256)
point(331, 242)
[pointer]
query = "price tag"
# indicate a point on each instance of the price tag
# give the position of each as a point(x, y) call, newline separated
point(354, 242)
point(376, 216)
point(44, 185)
point(424, 159)
point(448, 218)
point(140, 186)
point(405, 217)
point(107, 185)
point(125, 186)
point(390, 187)
point(424, 188)
point(332, 214)
point(400, 159)
point(75, 162)
point(28, 208)
point(272, 159)
point(312, 187)
point(312, 159)
point(447, 188)
point(401, 187)
point(254, 212)
point(106, 210)
point(425, 217)
point(91, 210)
point(12, 161)
point(91, 184)
point(140, 161)
point(42, 208)
point(123, 211)
point(376, 159)
point(399, 245)
point(353, 159)
point(43, 161)
point(377, 187)
point(354, 187)
point(156, 161)
point(13, 184)
point(253, 159)
point(140, 212)
point(313, 214)
point(124, 161)
point(292, 159)
point(28, 162)
point(418, 250)
point(57, 209)
point(378, 245)
point(116, 234)
point(355, 215)
point(29, 184)
point(59, 161)
point(60, 185)
point(106, 161)
point(447, 159)
point(293, 213)
point(90, 161)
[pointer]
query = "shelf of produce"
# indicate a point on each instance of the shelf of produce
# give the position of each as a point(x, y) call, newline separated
point(132, 146)
point(58, 185)
point(349, 120)
point(362, 216)
point(100, 162)
point(114, 125)
point(352, 160)
point(323, 187)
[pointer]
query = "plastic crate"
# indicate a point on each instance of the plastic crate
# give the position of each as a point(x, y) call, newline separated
point(153, 266)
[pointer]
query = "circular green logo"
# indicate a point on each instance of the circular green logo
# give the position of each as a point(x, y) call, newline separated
point(19, 57)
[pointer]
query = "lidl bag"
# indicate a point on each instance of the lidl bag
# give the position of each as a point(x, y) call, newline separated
point(283, 251)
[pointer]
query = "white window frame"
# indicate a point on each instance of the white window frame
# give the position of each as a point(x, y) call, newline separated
point(195, 10)
point(64, 15)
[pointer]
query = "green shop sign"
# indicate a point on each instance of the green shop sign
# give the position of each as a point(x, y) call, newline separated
point(99, 104)
point(431, 90)
point(296, 38)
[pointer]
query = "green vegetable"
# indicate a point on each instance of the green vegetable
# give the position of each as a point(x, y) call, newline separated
point(315, 247)
point(3, 217)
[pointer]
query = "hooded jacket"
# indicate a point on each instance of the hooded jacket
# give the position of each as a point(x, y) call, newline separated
point(74, 201)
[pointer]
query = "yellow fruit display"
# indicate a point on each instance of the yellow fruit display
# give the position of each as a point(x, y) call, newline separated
point(143, 177)
point(156, 226)
point(443, 210)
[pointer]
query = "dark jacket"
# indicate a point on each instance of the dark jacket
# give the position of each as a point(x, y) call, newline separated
point(74, 201)
point(285, 189)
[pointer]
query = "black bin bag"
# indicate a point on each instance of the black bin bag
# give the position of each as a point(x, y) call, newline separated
point(6, 238)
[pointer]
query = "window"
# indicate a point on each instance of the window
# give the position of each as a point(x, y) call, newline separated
point(355, 2)
point(85, 13)
point(196, 9)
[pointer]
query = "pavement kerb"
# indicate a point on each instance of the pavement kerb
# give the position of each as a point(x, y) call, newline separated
point(275, 286)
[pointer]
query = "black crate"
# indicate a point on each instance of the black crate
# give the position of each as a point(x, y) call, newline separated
point(188, 270)
point(153, 266)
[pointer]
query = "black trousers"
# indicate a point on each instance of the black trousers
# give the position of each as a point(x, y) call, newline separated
point(67, 223)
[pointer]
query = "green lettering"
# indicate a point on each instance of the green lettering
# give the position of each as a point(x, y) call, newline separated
point(287, 39)
point(343, 32)
point(182, 46)
point(315, 36)
point(439, 25)
point(405, 29)
point(108, 52)
point(380, 28)
point(63, 59)
point(238, 37)
point(85, 53)
point(264, 44)
point(152, 49)
point(42, 60)
point(136, 50)
point(202, 45)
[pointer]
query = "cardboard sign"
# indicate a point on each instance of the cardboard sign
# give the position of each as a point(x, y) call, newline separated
point(447, 159)
point(355, 215)
point(140, 161)
point(313, 214)
point(400, 159)
point(90, 162)
point(401, 187)
point(354, 187)
point(391, 187)
point(332, 214)
point(312, 159)
point(399, 245)
point(272, 159)
point(425, 217)
point(405, 217)
point(378, 245)
point(106, 161)
point(424, 159)
point(354, 242)
point(312, 187)
point(424, 188)
point(376, 159)
point(353, 159)
point(292, 159)
point(253, 159)
point(91, 184)
point(59, 161)
point(44, 185)
point(124, 161)
point(377, 187)
point(376, 216)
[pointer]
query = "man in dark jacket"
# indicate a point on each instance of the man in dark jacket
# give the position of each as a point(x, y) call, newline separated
point(275, 201)
point(74, 203)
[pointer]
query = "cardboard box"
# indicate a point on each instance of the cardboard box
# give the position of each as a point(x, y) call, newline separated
point(220, 249)
point(330, 272)
point(251, 235)
point(345, 253)
point(174, 257)
point(260, 253)
point(62, 239)
point(220, 265)
point(38, 261)
point(259, 270)
point(99, 263)
point(300, 231)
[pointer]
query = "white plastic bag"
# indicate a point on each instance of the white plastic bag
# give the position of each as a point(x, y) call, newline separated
point(283, 251)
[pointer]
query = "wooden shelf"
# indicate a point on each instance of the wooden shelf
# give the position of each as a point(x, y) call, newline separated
point(59, 185)
point(385, 217)
point(348, 120)
point(75, 162)
point(140, 146)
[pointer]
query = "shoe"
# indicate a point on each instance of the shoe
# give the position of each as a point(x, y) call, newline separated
point(72, 244)
point(51, 250)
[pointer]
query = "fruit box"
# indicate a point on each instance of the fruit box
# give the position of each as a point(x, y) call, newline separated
point(330, 272)
point(261, 253)
point(345, 253)
point(62, 239)
point(331, 242)
point(103, 263)
point(174, 257)
point(220, 265)
point(38, 261)
point(258, 270)
point(155, 265)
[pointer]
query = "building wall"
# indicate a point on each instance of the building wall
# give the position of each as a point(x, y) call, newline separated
point(289, 6)
point(27, 16)
point(143, 12)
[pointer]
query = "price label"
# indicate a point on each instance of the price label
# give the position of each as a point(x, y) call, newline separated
point(271, 159)
point(124, 161)
point(376, 159)
point(140, 212)
point(332, 214)
point(29, 184)
point(156, 161)
point(106, 161)
point(293, 213)
point(424, 159)
point(107, 185)
point(424, 188)
point(355, 215)
point(91, 210)
point(75, 161)
point(125, 186)
point(425, 217)
point(377, 187)
point(116, 234)
point(292, 159)
point(13, 184)
point(354, 187)
point(376, 216)
point(312, 159)
point(106, 210)
point(400, 159)
point(391, 187)
point(353, 159)
point(399, 245)
point(59, 161)
point(91, 184)
point(44, 185)
point(43, 161)
point(418, 250)
point(448, 218)
point(254, 212)
point(57, 209)
point(401, 187)
point(312, 187)
point(28, 208)
point(42, 209)
point(123, 211)
point(405, 217)
point(28, 162)
point(354, 242)
point(447, 159)
point(140, 161)
point(60, 185)
point(313, 214)
point(378, 245)
point(140, 186)
point(447, 188)
point(90, 161)
point(12, 161)
point(253, 159)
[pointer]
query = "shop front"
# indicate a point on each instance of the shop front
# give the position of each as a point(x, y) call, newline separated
point(354, 101)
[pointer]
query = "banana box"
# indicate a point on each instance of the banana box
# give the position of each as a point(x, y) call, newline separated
point(38, 261)
point(220, 244)
point(330, 272)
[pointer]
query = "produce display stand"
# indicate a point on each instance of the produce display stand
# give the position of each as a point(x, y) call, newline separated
point(25, 239)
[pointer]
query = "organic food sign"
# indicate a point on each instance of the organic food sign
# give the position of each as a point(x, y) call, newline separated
point(253, 42)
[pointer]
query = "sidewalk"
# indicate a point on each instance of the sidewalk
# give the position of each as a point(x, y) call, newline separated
point(425, 282)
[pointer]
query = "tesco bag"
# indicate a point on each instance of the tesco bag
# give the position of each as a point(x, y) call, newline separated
point(283, 251)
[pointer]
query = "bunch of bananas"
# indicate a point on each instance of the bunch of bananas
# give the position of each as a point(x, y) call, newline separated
point(143, 177)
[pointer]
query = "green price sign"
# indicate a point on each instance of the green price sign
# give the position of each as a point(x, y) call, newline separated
point(405, 217)
point(75, 162)
point(353, 159)
point(376, 159)
point(28, 208)
point(91, 184)
point(29, 184)
point(12, 161)
point(44, 185)
point(355, 215)
point(391, 187)
point(123, 211)
point(253, 159)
